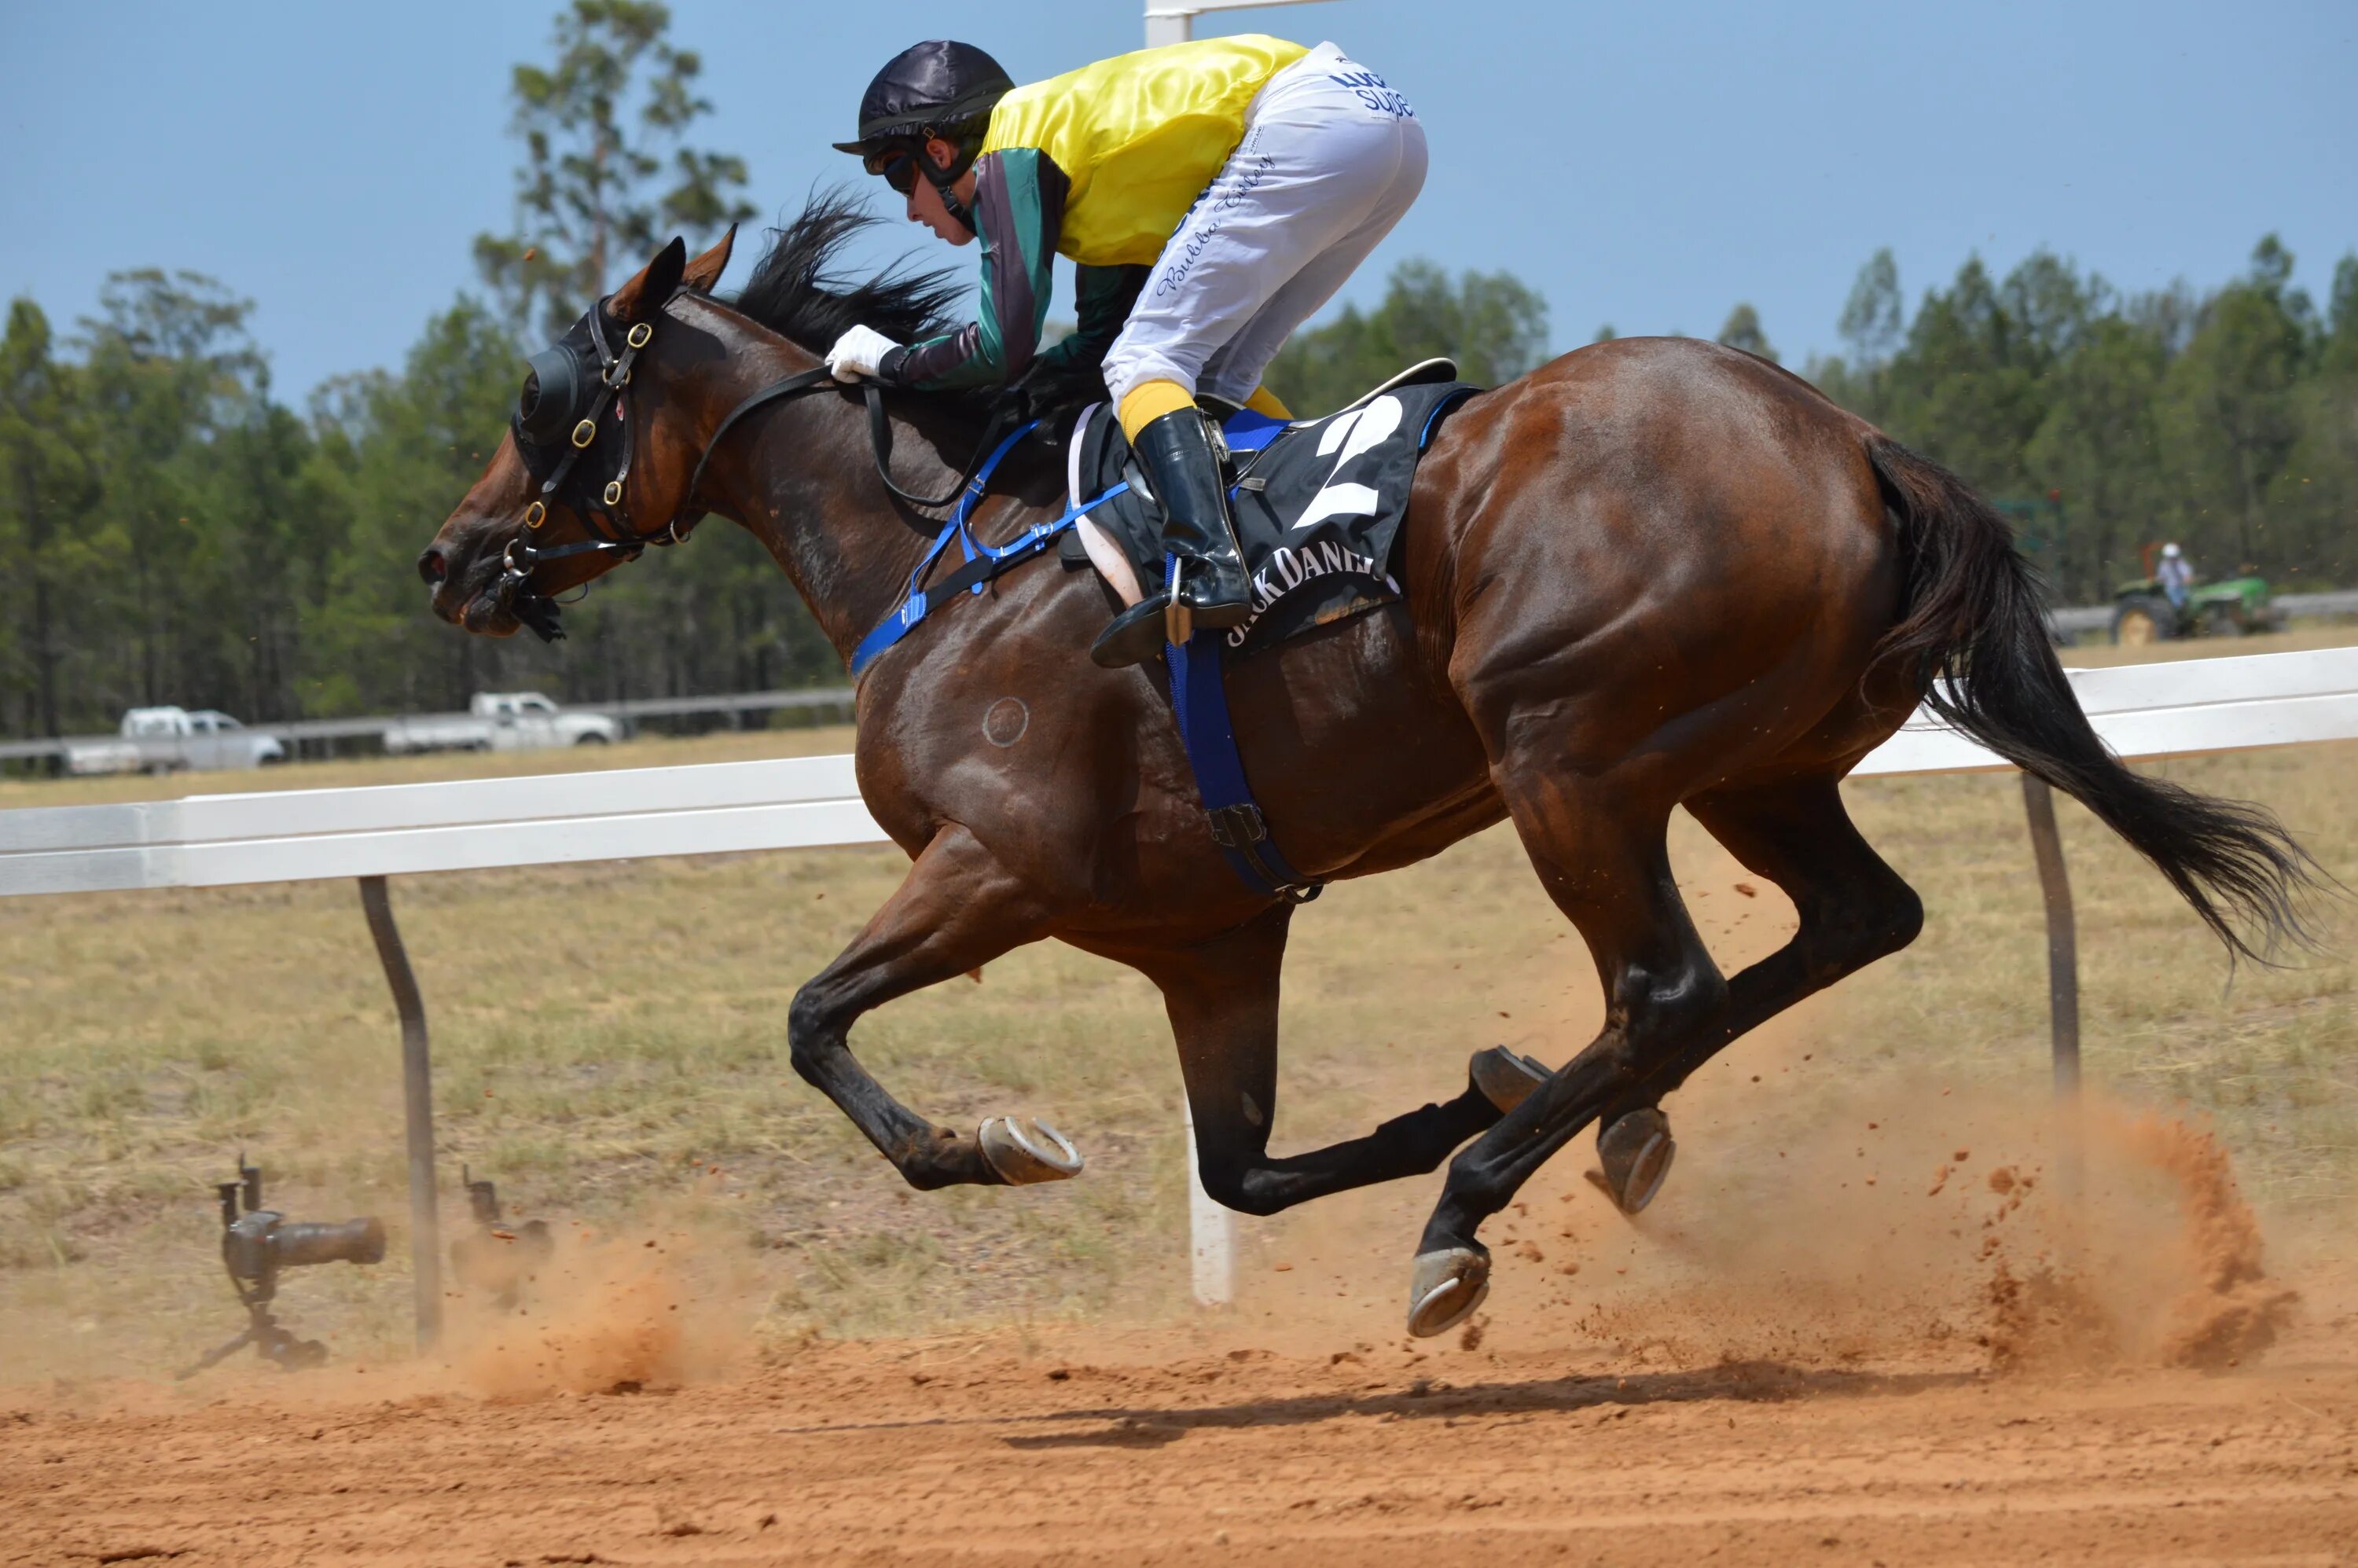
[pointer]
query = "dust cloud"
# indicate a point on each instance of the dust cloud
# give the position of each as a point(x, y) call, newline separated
point(650, 1306)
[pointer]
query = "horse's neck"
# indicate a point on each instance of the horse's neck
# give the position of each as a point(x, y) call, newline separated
point(802, 481)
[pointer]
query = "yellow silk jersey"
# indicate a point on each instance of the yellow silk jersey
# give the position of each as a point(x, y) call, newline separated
point(1138, 136)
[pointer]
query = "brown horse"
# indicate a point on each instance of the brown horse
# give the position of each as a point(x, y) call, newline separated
point(1654, 573)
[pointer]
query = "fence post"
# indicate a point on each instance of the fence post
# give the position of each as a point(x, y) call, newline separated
point(2062, 937)
point(2063, 981)
point(1211, 1232)
point(417, 1106)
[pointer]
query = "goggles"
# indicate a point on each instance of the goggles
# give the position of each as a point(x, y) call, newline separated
point(897, 166)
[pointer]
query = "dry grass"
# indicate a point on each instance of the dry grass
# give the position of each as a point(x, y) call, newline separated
point(609, 1044)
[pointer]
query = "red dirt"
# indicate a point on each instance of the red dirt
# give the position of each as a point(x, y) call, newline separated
point(1874, 1336)
point(1837, 1368)
point(1164, 1448)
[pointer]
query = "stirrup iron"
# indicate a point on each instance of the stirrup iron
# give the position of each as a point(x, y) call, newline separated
point(1178, 615)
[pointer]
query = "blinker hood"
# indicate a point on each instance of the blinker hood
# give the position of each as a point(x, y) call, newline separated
point(554, 390)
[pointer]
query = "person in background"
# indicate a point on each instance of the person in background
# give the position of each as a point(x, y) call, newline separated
point(2175, 576)
point(1212, 194)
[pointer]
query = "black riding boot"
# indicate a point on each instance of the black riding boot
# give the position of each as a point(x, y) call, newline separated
point(1184, 467)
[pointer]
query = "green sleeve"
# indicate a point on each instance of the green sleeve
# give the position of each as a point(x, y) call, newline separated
point(1103, 296)
point(1019, 213)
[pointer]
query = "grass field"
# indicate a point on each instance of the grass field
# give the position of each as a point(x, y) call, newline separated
point(609, 1044)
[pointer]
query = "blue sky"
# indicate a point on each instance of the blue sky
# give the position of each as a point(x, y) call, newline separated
point(1645, 165)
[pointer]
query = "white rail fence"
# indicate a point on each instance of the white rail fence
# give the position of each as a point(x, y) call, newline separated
point(372, 833)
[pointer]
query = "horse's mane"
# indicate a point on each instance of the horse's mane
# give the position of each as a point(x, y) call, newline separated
point(799, 291)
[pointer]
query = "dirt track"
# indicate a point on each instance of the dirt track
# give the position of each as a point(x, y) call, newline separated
point(1804, 1378)
point(1165, 1448)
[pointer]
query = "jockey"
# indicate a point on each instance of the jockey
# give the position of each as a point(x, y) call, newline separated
point(1213, 195)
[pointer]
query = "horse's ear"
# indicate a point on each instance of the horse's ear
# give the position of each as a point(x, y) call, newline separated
point(704, 272)
point(657, 281)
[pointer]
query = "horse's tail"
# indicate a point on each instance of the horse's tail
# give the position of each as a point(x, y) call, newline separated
point(1974, 631)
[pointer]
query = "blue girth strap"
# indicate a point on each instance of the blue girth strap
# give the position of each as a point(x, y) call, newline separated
point(1199, 701)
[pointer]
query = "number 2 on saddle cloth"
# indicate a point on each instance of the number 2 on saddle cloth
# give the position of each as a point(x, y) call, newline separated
point(1317, 506)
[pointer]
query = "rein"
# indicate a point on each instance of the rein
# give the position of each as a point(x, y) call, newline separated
point(614, 378)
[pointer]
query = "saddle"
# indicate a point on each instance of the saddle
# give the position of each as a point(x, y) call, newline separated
point(1317, 503)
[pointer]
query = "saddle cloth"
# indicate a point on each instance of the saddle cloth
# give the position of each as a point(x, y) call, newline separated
point(1317, 504)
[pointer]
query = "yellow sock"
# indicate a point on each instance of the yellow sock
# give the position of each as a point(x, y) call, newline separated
point(1264, 401)
point(1149, 400)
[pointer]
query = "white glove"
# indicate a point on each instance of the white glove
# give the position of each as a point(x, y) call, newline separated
point(857, 352)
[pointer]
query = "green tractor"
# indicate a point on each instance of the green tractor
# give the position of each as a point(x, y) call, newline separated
point(2142, 612)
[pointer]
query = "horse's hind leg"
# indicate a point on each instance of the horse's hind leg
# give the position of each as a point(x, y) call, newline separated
point(957, 909)
point(1222, 998)
point(1852, 909)
point(1598, 842)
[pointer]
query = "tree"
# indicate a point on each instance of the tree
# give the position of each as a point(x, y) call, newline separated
point(1870, 323)
point(1492, 324)
point(1969, 384)
point(2314, 500)
point(45, 480)
point(2340, 352)
point(595, 193)
point(1743, 331)
point(404, 449)
point(169, 370)
point(2229, 418)
point(1871, 327)
point(2099, 445)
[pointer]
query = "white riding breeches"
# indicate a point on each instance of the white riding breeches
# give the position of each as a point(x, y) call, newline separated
point(1330, 159)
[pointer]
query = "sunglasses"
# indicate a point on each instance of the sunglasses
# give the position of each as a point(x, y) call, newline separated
point(899, 169)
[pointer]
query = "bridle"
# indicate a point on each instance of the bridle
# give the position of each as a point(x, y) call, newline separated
point(611, 527)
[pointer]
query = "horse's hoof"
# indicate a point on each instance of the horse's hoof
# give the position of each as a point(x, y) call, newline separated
point(1506, 1079)
point(1446, 1286)
point(1022, 1156)
point(1636, 1152)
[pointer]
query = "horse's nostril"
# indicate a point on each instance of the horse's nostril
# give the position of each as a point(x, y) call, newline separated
point(432, 567)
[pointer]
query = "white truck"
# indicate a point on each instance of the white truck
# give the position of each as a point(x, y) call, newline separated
point(501, 722)
point(168, 740)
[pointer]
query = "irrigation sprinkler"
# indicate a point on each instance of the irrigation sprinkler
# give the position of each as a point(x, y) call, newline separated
point(498, 1258)
point(259, 1242)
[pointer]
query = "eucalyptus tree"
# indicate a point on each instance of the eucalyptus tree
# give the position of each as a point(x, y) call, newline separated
point(608, 172)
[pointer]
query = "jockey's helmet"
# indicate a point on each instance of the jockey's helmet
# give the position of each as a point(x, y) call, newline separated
point(939, 88)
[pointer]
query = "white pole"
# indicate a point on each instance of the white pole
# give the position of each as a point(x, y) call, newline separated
point(1173, 21)
point(1211, 1233)
point(1211, 1228)
point(1169, 27)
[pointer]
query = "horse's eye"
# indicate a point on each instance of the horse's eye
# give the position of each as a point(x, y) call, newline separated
point(529, 399)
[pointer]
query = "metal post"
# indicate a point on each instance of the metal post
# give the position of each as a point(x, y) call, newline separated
point(2063, 986)
point(1211, 1233)
point(2062, 937)
point(1173, 21)
point(418, 1104)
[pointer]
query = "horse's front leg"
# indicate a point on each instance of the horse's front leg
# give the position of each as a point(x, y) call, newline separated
point(1222, 997)
point(958, 909)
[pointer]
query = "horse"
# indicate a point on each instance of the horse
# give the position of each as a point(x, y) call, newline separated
point(1652, 573)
